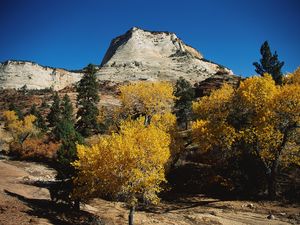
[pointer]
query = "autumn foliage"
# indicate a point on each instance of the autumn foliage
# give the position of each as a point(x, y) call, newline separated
point(35, 148)
point(128, 164)
point(131, 162)
point(147, 98)
point(259, 117)
point(20, 129)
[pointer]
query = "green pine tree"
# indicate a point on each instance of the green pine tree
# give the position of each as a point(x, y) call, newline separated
point(54, 115)
point(40, 122)
point(87, 100)
point(66, 133)
point(33, 110)
point(44, 104)
point(18, 111)
point(269, 63)
point(67, 153)
point(183, 105)
point(65, 129)
point(67, 108)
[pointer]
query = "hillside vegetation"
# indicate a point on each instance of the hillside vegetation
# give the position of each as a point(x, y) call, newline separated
point(157, 140)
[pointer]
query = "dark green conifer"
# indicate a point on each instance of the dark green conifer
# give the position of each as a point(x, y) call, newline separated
point(18, 111)
point(65, 132)
point(40, 122)
point(54, 115)
point(87, 100)
point(67, 108)
point(269, 63)
point(183, 105)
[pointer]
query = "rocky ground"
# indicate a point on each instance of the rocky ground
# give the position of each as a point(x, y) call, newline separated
point(24, 199)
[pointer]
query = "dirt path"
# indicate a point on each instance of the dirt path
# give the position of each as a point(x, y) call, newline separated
point(24, 201)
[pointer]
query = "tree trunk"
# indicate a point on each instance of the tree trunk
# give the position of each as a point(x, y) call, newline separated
point(272, 179)
point(130, 216)
point(271, 187)
point(272, 182)
point(147, 120)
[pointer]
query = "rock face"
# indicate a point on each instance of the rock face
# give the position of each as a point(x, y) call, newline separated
point(147, 55)
point(16, 74)
point(136, 55)
point(205, 87)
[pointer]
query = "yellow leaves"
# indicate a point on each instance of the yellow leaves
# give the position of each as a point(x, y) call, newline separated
point(129, 163)
point(288, 103)
point(202, 134)
point(19, 127)
point(256, 92)
point(214, 105)
point(28, 123)
point(211, 129)
point(211, 135)
point(166, 121)
point(10, 116)
point(12, 121)
point(293, 78)
point(147, 97)
point(259, 113)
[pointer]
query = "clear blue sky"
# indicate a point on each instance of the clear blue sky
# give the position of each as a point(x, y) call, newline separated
point(72, 33)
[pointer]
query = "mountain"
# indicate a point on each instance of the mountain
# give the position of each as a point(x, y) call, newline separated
point(148, 55)
point(16, 74)
point(136, 55)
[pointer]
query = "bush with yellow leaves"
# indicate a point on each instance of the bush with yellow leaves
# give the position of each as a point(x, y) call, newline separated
point(19, 129)
point(259, 117)
point(129, 164)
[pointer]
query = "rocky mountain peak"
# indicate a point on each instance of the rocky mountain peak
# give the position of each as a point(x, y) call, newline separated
point(138, 42)
point(138, 54)
point(154, 55)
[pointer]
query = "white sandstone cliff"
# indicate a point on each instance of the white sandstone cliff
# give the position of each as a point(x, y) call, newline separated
point(147, 55)
point(16, 74)
point(136, 55)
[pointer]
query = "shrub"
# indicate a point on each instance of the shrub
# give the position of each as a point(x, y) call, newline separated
point(35, 148)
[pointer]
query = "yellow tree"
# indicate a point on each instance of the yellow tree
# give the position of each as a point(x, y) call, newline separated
point(260, 115)
point(129, 165)
point(293, 78)
point(272, 114)
point(147, 98)
point(212, 130)
point(19, 129)
point(154, 101)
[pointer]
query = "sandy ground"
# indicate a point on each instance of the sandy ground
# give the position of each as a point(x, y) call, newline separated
point(24, 200)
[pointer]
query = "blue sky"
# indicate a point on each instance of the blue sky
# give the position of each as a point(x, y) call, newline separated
point(72, 33)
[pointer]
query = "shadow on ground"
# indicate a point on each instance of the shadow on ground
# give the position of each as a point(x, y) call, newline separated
point(56, 213)
point(174, 202)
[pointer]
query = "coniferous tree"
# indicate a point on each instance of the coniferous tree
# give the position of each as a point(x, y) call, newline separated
point(269, 63)
point(33, 110)
point(67, 108)
point(65, 132)
point(18, 111)
point(54, 114)
point(183, 105)
point(40, 122)
point(44, 104)
point(87, 100)
point(65, 129)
